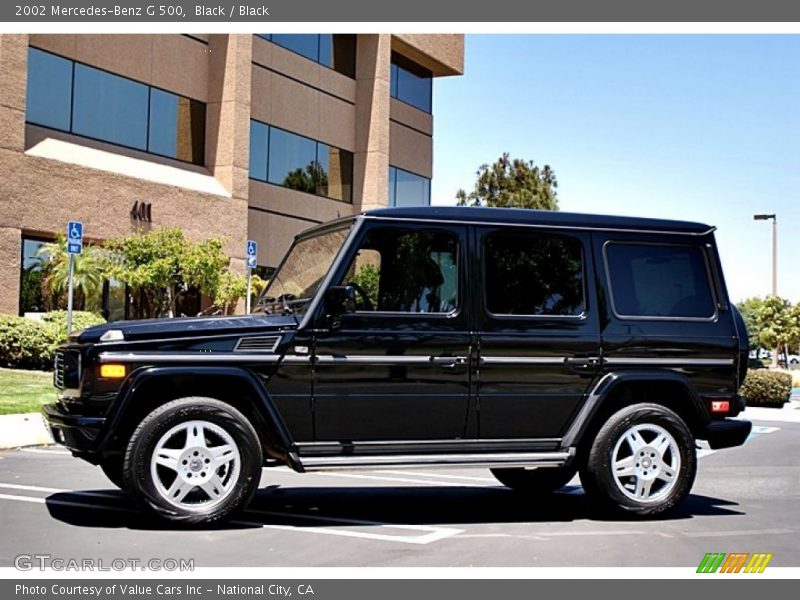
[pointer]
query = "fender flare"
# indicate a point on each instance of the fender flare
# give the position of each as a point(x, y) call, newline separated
point(609, 382)
point(265, 408)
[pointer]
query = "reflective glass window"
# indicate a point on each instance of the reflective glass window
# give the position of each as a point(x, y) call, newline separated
point(49, 95)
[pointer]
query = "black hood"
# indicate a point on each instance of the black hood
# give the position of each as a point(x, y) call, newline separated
point(185, 327)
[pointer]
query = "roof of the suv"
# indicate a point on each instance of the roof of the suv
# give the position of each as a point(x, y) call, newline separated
point(520, 216)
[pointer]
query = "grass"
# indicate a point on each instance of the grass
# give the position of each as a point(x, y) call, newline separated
point(24, 391)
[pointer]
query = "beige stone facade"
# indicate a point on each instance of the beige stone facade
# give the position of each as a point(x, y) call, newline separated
point(50, 177)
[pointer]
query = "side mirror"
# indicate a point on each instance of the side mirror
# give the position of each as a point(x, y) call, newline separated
point(339, 300)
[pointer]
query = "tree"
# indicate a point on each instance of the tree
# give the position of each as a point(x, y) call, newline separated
point(87, 275)
point(749, 309)
point(232, 288)
point(779, 325)
point(512, 183)
point(162, 265)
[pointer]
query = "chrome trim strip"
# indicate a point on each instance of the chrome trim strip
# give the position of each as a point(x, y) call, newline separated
point(537, 225)
point(185, 357)
point(368, 359)
point(257, 337)
point(296, 360)
point(380, 443)
point(518, 459)
point(523, 360)
point(674, 362)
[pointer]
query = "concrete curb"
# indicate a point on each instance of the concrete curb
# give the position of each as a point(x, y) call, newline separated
point(27, 429)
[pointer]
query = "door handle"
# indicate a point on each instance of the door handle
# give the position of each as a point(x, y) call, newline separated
point(583, 362)
point(449, 362)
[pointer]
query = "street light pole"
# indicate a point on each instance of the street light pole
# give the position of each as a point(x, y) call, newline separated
point(774, 219)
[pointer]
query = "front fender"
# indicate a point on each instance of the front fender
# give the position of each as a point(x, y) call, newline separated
point(267, 415)
point(609, 382)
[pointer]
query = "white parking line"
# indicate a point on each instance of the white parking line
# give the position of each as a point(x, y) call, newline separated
point(428, 533)
point(45, 451)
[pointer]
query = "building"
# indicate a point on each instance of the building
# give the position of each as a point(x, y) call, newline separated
point(238, 136)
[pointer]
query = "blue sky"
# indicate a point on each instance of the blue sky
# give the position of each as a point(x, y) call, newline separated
point(703, 128)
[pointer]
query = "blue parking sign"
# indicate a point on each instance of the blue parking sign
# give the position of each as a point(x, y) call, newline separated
point(252, 251)
point(74, 237)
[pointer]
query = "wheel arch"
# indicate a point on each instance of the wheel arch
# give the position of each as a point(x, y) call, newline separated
point(147, 388)
point(617, 390)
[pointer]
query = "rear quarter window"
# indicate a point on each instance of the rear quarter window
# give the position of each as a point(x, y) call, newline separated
point(659, 281)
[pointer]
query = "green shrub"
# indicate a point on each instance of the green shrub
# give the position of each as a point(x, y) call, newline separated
point(80, 319)
point(766, 388)
point(27, 344)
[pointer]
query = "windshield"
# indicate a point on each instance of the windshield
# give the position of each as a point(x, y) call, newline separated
point(294, 284)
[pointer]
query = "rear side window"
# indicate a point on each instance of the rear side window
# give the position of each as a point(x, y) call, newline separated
point(533, 274)
point(659, 280)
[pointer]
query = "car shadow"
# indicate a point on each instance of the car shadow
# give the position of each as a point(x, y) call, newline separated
point(370, 506)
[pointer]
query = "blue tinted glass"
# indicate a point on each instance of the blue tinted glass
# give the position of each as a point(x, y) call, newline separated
point(110, 108)
point(392, 185)
point(163, 123)
point(292, 160)
point(306, 44)
point(413, 89)
point(326, 49)
point(258, 150)
point(411, 189)
point(49, 101)
point(393, 83)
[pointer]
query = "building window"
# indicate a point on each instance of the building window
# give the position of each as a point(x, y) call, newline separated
point(408, 189)
point(79, 99)
point(411, 83)
point(659, 281)
point(31, 295)
point(335, 51)
point(529, 274)
point(290, 160)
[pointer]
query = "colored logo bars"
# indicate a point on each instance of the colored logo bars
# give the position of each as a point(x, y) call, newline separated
point(736, 562)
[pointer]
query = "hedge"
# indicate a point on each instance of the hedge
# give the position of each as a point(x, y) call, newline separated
point(766, 388)
point(29, 344)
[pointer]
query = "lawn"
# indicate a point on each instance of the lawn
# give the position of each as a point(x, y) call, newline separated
point(24, 391)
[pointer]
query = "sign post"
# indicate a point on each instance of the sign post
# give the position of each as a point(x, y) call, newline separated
point(74, 246)
point(252, 250)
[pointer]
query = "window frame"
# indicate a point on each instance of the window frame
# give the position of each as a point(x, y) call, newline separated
point(674, 244)
point(316, 159)
point(484, 234)
point(71, 130)
point(462, 243)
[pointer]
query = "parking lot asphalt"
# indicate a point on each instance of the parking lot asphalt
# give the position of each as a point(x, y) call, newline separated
point(744, 500)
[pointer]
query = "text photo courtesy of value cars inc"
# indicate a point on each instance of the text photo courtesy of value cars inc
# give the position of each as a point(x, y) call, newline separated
point(338, 300)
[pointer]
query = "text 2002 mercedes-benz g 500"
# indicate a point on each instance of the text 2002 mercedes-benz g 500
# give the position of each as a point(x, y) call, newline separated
point(537, 344)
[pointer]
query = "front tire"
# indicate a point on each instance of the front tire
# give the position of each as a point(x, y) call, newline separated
point(539, 481)
point(193, 460)
point(642, 462)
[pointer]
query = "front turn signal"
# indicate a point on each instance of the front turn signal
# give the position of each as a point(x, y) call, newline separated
point(112, 371)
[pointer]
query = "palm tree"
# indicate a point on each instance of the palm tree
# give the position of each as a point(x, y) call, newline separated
point(87, 276)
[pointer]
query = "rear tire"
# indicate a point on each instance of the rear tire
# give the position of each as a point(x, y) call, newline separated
point(538, 481)
point(193, 460)
point(642, 462)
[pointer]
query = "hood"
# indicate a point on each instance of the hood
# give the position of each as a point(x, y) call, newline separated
point(185, 327)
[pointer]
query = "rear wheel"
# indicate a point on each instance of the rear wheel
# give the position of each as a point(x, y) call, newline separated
point(642, 461)
point(543, 480)
point(193, 460)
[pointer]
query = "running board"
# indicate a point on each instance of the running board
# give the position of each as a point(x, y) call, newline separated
point(432, 461)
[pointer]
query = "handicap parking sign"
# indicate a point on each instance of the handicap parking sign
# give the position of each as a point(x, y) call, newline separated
point(74, 237)
point(252, 250)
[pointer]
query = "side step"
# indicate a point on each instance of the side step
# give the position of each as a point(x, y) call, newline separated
point(417, 461)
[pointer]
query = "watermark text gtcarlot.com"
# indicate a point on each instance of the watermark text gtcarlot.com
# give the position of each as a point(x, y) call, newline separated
point(41, 562)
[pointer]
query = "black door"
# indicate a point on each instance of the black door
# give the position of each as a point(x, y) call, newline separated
point(539, 334)
point(397, 368)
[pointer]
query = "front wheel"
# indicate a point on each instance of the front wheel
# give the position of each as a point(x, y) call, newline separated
point(193, 460)
point(642, 461)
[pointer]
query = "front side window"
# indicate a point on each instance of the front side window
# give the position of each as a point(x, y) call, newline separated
point(293, 285)
point(532, 274)
point(402, 270)
point(659, 280)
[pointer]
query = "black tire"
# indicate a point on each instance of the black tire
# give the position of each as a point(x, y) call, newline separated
point(539, 481)
point(219, 419)
point(112, 468)
point(598, 477)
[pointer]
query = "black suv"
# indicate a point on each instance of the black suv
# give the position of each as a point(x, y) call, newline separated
point(538, 344)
